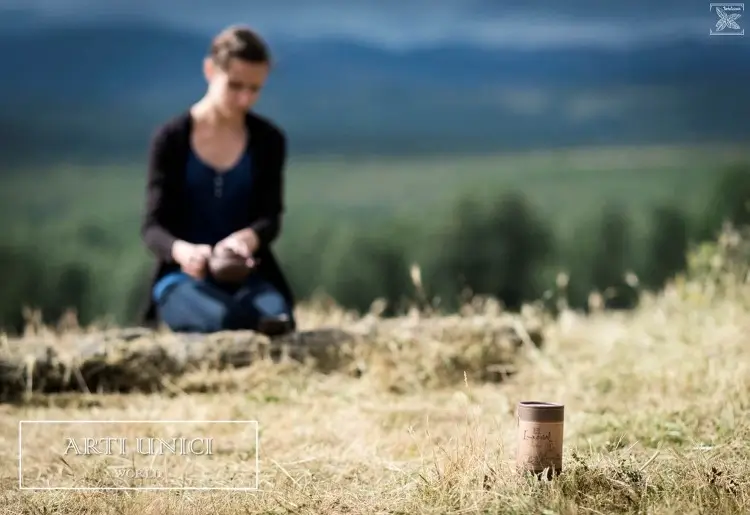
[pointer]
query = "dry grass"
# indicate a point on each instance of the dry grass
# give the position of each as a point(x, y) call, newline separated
point(657, 411)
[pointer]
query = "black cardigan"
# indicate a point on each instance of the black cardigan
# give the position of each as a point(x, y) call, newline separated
point(163, 216)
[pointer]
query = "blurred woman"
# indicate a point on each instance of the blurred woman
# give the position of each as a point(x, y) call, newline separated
point(215, 182)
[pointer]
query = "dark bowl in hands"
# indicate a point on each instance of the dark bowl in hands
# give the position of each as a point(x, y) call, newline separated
point(225, 266)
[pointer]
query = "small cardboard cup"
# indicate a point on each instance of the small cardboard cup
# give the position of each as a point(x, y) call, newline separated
point(539, 437)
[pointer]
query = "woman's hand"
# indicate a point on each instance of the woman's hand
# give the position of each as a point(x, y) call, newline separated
point(243, 243)
point(192, 258)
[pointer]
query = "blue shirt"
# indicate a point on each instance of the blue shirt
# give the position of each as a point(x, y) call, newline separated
point(217, 206)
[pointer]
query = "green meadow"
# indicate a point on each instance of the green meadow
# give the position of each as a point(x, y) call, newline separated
point(506, 224)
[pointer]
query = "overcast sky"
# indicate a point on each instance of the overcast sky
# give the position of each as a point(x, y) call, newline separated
point(414, 22)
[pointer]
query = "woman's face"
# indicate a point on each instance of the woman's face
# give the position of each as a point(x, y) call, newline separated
point(236, 89)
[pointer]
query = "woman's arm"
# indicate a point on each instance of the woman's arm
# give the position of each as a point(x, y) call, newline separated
point(268, 226)
point(158, 239)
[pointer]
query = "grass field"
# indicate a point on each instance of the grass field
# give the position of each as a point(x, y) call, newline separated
point(572, 182)
point(657, 413)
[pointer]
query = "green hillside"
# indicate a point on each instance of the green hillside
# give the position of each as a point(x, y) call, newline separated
point(352, 225)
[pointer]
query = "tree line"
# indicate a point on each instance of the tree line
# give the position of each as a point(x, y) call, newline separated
point(503, 249)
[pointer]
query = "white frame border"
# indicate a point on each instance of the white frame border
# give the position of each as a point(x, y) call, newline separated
point(152, 488)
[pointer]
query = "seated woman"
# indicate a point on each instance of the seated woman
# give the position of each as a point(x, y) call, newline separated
point(215, 181)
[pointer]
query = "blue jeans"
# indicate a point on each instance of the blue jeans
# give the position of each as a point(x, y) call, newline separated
point(194, 306)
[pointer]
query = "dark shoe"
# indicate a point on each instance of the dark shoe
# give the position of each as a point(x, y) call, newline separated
point(275, 326)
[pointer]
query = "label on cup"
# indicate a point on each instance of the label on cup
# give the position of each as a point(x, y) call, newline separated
point(540, 445)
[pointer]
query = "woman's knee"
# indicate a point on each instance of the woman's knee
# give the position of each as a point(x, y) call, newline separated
point(271, 304)
point(262, 299)
point(190, 308)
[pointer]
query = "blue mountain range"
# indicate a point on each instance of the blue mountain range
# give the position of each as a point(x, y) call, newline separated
point(82, 90)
